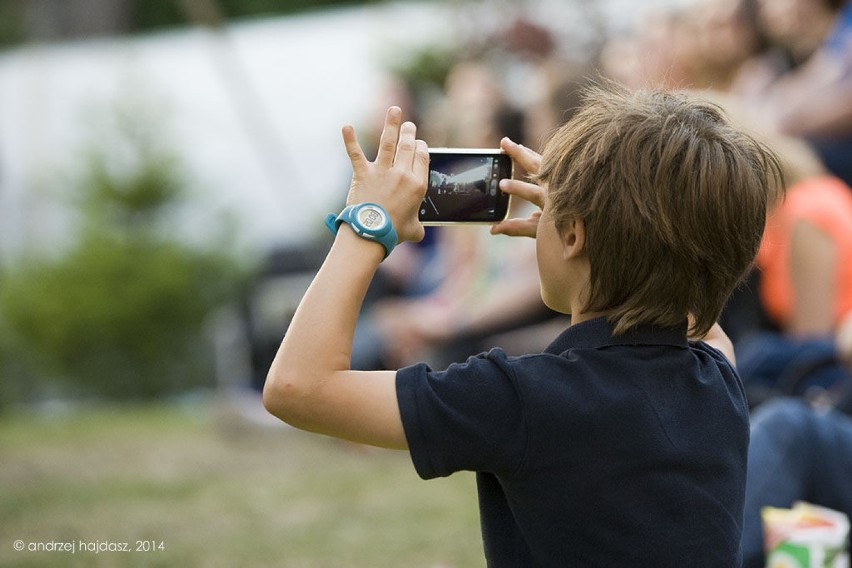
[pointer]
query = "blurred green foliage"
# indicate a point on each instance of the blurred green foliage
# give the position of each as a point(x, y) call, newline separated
point(119, 313)
point(17, 18)
point(425, 69)
point(11, 23)
point(152, 14)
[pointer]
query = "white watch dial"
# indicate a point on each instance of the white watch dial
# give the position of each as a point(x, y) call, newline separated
point(371, 218)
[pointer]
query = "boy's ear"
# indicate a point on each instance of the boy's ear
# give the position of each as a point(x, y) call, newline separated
point(573, 239)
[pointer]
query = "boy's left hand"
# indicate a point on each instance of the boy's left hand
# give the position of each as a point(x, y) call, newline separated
point(530, 161)
point(397, 179)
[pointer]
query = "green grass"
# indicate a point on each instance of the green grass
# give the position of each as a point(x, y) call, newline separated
point(219, 492)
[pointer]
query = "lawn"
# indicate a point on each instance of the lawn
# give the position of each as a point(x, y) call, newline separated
point(192, 485)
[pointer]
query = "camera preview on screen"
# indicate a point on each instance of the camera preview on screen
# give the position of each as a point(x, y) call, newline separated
point(463, 187)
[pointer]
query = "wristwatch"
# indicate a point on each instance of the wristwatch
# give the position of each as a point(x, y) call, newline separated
point(369, 221)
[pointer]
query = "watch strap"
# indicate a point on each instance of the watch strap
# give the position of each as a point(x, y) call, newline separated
point(387, 237)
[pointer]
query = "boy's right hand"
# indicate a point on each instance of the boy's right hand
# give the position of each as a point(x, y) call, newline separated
point(396, 179)
point(530, 161)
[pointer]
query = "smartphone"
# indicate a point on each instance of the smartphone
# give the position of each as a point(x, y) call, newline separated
point(464, 186)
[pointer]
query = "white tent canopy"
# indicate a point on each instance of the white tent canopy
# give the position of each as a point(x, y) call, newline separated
point(254, 114)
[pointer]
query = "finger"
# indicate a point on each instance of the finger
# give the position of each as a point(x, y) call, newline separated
point(406, 146)
point(528, 159)
point(353, 148)
point(525, 190)
point(420, 168)
point(518, 227)
point(389, 137)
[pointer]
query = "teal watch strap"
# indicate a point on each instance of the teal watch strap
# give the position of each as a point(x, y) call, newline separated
point(369, 221)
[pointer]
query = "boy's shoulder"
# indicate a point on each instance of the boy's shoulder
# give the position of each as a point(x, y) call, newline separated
point(585, 360)
point(588, 359)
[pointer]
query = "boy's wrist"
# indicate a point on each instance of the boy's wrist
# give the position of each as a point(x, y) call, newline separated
point(355, 244)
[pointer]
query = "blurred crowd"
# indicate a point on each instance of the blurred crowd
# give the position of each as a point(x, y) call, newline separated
point(782, 69)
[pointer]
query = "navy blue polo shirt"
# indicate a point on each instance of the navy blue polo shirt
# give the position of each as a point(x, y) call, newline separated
point(600, 451)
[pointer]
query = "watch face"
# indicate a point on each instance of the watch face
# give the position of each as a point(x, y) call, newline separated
point(371, 218)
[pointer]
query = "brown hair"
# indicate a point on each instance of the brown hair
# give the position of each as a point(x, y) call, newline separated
point(673, 199)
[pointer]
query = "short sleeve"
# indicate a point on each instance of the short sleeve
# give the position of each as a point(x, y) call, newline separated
point(467, 418)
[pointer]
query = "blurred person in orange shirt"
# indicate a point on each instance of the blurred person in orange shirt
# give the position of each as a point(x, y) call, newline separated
point(804, 285)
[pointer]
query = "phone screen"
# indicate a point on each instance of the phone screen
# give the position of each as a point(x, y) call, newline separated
point(463, 187)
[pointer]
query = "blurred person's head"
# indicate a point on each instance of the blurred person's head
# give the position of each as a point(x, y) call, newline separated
point(798, 26)
point(658, 53)
point(797, 158)
point(667, 43)
point(393, 91)
point(620, 60)
point(700, 47)
point(474, 108)
point(528, 39)
point(672, 201)
point(563, 84)
point(728, 34)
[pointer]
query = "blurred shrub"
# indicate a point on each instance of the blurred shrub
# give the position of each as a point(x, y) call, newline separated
point(119, 313)
point(148, 15)
point(11, 22)
point(426, 68)
point(23, 20)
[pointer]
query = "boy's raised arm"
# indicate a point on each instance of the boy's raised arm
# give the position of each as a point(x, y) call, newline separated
point(310, 384)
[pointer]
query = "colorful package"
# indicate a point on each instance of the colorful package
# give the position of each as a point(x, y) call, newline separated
point(805, 536)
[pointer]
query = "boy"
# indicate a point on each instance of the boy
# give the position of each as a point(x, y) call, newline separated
point(623, 443)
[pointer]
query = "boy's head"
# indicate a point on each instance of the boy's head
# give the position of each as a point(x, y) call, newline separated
point(673, 200)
